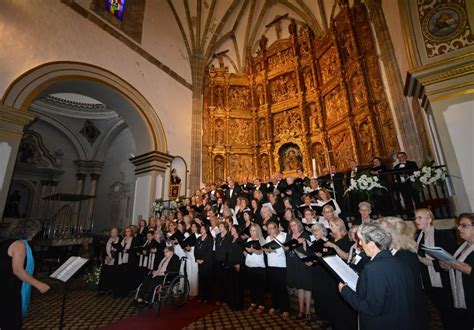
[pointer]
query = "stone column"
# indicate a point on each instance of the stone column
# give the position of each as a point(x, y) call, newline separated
point(150, 169)
point(12, 122)
point(408, 132)
point(198, 64)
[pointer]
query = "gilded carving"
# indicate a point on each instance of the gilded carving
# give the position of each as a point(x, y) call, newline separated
point(239, 132)
point(264, 165)
point(308, 80)
point(335, 105)
point(283, 88)
point(240, 142)
point(366, 143)
point(342, 147)
point(318, 153)
point(288, 123)
point(241, 166)
point(262, 129)
point(358, 89)
point(260, 95)
point(218, 168)
point(219, 97)
point(328, 65)
point(239, 97)
point(281, 58)
point(219, 132)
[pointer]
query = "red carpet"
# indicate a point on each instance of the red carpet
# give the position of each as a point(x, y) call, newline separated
point(169, 318)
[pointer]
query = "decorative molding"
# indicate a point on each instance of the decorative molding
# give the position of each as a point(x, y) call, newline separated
point(14, 116)
point(151, 161)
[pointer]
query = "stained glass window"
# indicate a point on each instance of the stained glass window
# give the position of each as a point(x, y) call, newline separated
point(115, 7)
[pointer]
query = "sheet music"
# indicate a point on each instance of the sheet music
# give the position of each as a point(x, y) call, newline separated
point(68, 269)
point(345, 272)
point(438, 253)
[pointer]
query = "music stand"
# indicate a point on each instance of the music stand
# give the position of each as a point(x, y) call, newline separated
point(63, 274)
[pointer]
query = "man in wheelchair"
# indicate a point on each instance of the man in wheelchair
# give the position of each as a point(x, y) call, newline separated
point(169, 264)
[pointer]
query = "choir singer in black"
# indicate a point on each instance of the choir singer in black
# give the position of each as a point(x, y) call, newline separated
point(382, 298)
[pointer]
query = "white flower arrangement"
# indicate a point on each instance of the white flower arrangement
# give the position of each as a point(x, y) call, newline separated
point(365, 183)
point(92, 277)
point(157, 206)
point(307, 190)
point(428, 175)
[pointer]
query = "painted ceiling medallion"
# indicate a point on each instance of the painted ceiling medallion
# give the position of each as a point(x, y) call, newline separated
point(444, 22)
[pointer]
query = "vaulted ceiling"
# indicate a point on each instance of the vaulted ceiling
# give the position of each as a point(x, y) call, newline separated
point(233, 28)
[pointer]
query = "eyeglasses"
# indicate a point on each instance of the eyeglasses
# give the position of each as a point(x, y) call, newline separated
point(463, 226)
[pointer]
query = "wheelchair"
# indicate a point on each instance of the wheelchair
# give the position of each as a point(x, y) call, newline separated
point(174, 289)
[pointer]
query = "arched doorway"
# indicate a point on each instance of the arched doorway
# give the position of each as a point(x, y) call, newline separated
point(151, 156)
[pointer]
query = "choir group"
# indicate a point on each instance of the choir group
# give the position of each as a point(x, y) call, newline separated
point(271, 238)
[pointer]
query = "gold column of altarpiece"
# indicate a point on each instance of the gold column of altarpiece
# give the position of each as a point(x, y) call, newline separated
point(298, 99)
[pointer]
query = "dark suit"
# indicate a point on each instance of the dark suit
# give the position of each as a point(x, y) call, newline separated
point(231, 195)
point(382, 201)
point(383, 298)
point(404, 185)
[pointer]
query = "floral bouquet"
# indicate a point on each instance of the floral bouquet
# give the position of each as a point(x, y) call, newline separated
point(364, 183)
point(92, 277)
point(174, 204)
point(428, 175)
point(157, 207)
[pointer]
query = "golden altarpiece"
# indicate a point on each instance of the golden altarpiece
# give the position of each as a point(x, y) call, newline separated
point(299, 99)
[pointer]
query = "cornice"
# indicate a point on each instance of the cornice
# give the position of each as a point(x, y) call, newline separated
point(14, 116)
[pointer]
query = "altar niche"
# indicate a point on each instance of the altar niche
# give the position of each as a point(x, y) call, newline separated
point(299, 99)
point(290, 159)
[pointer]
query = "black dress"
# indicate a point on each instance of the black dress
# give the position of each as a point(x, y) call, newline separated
point(298, 275)
point(203, 251)
point(342, 316)
point(410, 259)
point(441, 297)
point(10, 288)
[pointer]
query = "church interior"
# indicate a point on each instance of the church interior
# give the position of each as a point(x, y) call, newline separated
point(117, 111)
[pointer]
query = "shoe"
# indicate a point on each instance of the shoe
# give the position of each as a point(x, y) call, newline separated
point(308, 317)
point(300, 316)
point(271, 311)
point(218, 303)
point(260, 310)
point(204, 301)
point(251, 307)
point(285, 315)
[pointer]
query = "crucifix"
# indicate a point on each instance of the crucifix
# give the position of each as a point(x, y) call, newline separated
point(220, 57)
point(277, 23)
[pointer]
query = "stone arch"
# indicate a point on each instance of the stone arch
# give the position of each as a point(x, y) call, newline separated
point(95, 82)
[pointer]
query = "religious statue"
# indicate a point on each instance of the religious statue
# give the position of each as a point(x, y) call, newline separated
point(292, 159)
point(175, 179)
point(264, 165)
point(366, 140)
point(260, 95)
point(219, 131)
point(218, 168)
point(219, 97)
